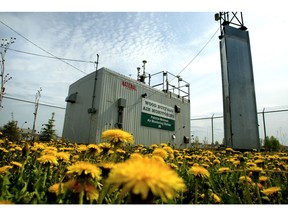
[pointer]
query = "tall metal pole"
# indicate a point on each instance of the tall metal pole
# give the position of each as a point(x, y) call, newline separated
point(37, 98)
point(212, 125)
point(264, 125)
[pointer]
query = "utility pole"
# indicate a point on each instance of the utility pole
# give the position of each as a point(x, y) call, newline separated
point(212, 126)
point(37, 98)
point(5, 44)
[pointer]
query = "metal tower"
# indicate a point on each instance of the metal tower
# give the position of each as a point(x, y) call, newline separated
point(239, 100)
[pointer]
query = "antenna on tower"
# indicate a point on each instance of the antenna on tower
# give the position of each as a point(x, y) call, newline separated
point(230, 18)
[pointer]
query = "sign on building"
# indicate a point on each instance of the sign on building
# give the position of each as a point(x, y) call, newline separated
point(156, 115)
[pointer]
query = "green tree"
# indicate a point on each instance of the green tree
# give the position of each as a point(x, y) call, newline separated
point(11, 131)
point(47, 132)
point(272, 144)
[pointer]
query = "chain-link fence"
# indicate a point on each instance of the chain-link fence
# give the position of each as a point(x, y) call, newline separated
point(272, 122)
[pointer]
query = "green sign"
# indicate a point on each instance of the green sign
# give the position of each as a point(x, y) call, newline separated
point(156, 115)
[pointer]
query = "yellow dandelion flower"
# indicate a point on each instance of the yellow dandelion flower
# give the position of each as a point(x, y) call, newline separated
point(81, 148)
point(236, 163)
point(144, 175)
point(65, 156)
point(169, 150)
point(216, 161)
point(75, 157)
point(50, 148)
point(18, 148)
point(251, 164)
point(105, 146)
point(81, 167)
point(208, 152)
point(121, 151)
point(49, 159)
point(163, 145)
point(173, 166)
point(4, 150)
point(94, 148)
point(271, 190)
point(49, 152)
point(5, 169)
point(263, 178)
point(117, 135)
point(160, 152)
point(215, 197)
point(39, 146)
point(242, 179)
point(229, 149)
point(17, 164)
point(206, 159)
point(110, 152)
point(199, 171)
point(258, 161)
point(187, 157)
point(202, 196)
point(223, 169)
point(276, 156)
point(255, 169)
point(152, 146)
point(57, 188)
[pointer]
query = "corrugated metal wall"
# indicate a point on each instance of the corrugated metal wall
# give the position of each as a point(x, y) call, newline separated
point(110, 87)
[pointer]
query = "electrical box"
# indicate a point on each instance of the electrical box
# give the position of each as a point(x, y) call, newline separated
point(150, 114)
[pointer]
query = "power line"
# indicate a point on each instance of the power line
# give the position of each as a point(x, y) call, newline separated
point(52, 57)
point(199, 51)
point(193, 57)
point(33, 102)
point(41, 47)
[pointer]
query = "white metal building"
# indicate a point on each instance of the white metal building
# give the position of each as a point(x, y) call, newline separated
point(105, 99)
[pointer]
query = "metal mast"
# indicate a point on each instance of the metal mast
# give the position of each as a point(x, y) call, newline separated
point(37, 98)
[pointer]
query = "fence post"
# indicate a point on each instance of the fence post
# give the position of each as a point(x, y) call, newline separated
point(264, 126)
point(212, 126)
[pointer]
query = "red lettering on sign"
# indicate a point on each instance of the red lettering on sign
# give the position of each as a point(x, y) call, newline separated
point(129, 85)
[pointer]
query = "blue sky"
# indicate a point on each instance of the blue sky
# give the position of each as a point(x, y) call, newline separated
point(167, 40)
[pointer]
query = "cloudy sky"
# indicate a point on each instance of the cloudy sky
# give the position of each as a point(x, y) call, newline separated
point(169, 41)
